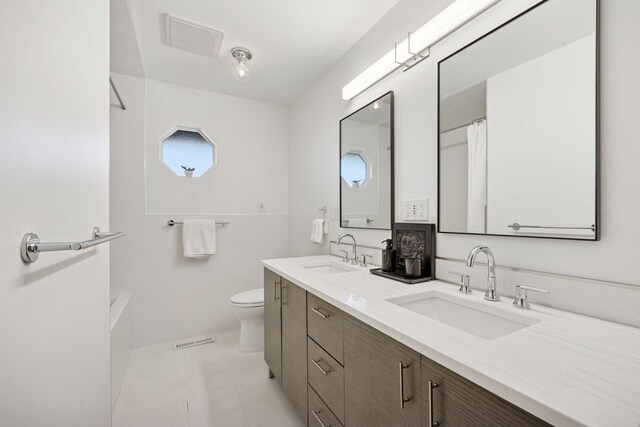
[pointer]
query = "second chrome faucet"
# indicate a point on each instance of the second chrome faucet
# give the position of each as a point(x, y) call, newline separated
point(491, 294)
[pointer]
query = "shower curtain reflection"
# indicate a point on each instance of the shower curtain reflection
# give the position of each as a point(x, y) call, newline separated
point(477, 177)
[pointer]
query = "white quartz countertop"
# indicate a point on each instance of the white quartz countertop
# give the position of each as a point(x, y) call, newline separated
point(567, 369)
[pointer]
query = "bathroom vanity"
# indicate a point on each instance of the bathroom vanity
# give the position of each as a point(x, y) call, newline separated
point(353, 349)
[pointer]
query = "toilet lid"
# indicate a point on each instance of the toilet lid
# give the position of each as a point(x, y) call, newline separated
point(254, 296)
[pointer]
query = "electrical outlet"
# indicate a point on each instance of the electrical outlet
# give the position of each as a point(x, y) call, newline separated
point(422, 205)
point(262, 207)
point(416, 209)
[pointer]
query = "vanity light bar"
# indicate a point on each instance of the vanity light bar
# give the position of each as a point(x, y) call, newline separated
point(453, 17)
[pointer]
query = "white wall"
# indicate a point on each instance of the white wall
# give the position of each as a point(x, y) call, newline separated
point(251, 141)
point(313, 148)
point(54, 177)
point(314, 131)
point(542, 154)
point(175, 297)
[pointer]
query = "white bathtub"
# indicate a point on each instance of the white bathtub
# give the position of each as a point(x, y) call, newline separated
point(121, 342)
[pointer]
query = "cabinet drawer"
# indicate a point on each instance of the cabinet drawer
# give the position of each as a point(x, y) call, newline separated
point(326, 376)
point(319, 414)
point(325, 326)
point(459, 402)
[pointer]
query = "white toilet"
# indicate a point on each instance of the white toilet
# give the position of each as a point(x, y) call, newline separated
point(248, 307)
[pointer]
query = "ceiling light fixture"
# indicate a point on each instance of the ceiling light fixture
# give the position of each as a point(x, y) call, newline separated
point(415, 47)
point(240, 69)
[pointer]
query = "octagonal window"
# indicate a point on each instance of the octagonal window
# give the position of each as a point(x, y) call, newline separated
point(188, 152)
point(354, 169)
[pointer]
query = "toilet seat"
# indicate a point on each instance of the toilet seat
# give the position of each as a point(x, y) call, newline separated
point(248, 299)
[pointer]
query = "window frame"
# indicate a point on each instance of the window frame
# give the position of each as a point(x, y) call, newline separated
point(204, 136)
point(367, 163)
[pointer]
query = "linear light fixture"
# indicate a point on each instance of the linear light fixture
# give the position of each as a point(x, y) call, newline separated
point(415, 47)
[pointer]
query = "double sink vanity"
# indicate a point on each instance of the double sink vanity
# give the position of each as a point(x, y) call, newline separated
point(353, 349)
point(517, 156)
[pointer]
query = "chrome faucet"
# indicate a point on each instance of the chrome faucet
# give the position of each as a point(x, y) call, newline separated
point(491, 294)
point(355, 247)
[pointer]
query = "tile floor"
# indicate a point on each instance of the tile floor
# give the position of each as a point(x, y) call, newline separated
point(204, 386)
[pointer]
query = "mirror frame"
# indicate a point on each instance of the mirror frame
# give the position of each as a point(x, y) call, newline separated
point(597, 222)
point(391, 159)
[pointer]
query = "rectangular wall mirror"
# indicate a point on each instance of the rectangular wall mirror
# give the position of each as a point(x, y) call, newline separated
point(366, 166)
point(517, 148)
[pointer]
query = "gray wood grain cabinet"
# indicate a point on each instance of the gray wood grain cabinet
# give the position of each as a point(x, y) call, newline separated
point(319, 413)
point(325, 326)
point(326, 377)
point(382, 379)
point(451, 400)
point(285, 337)
point(294, 345)
point(359, 377)
point(272, 324)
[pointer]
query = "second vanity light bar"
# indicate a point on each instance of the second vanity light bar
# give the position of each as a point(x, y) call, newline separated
point(453, 17)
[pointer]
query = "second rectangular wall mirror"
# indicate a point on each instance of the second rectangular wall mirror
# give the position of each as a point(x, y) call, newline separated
point(518, 127)
point(366, 166)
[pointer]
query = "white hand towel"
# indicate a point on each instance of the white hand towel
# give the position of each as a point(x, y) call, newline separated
point(317, 231)
point(198, 238)
point(359, 222)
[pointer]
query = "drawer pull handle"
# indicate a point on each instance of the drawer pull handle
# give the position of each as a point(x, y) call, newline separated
point(315, 414)
point(276, 285)
point(432, 385)
point(317, 363)
point(403, 399)
point(319, 313)
point(283, 294)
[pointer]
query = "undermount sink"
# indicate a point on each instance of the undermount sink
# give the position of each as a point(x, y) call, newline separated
point(468, 316)
point(328, 268)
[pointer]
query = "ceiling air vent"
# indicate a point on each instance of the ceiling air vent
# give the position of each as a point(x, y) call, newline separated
point(192, 37)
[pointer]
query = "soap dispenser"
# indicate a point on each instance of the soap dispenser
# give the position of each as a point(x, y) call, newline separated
point(388, 256)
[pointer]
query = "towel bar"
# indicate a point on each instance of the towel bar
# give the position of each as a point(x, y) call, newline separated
point(517, 227)
point(31, 246)
point(171, 223)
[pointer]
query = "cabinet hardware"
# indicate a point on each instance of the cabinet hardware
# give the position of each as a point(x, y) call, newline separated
point(403, 399)
point(317, 363)
point(276, 285)
point(319, 313)
point(283, 294)
point(432, 385)
point(315, 414)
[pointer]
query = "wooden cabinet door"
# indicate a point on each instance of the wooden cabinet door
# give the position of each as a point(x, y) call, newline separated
point(272, 323)
point(294, 346)
point(379, 372)
point(458, 402)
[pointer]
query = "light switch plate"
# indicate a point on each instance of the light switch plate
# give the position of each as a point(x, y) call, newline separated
point(416, 209)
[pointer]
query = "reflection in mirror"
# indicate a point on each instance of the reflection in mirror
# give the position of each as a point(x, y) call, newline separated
point(517, 127)
point(354, 169)
point(366, 166)
point(188, 153)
